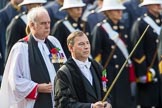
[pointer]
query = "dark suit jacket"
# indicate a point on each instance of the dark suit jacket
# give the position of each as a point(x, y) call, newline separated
point(73, 90)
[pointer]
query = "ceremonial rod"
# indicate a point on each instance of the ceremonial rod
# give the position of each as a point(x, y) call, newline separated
point(121, 69)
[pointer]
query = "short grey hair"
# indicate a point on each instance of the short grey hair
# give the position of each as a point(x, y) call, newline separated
point(33, 13)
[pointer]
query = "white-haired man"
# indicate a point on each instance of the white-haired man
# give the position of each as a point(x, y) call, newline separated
point(32, 65)
point(13, 34)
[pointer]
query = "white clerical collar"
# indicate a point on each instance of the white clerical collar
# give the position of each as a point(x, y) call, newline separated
point(39, 40)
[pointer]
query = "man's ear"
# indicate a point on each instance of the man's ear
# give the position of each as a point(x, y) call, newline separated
point(70, 47)
point(31, 25)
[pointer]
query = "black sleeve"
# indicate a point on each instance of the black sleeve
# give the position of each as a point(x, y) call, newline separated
point(65, 96)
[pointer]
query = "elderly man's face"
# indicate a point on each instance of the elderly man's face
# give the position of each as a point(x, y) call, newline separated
point(41, 28)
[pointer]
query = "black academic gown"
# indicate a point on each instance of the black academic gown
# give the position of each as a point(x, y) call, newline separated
point(73, 90)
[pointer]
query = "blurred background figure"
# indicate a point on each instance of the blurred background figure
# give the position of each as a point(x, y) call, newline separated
point(95, 16)
point(6, 14)
point(17, 28)
point(53, 10)
point(149, 86)
point(132, 12)
point(88, 1)
point(70, 23)
point(3, 3)
point(87, 9)
point(111, 46)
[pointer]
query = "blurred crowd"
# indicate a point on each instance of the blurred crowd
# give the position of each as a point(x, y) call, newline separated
point(114, 28)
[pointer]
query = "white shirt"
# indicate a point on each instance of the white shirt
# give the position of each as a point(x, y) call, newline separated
point(85, 69)
point(16, 82)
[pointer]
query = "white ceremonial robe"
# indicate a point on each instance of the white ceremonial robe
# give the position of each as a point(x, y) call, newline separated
point(16, 83)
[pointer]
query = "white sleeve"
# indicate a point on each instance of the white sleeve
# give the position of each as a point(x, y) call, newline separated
point(16, 80)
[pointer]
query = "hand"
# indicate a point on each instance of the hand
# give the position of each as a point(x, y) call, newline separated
point(107, 105)
point(100, 104)
point(45, 88)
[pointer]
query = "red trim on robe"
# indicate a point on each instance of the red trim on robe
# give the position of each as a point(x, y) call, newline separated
point(33, 93)
point(26, 38)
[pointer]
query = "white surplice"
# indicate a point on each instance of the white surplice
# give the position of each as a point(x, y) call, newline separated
point(16, 82)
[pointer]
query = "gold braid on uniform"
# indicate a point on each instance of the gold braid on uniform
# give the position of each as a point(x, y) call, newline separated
point(160, 66)
point(139, 61)
point(98, 58)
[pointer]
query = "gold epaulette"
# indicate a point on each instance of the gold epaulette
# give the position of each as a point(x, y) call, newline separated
point(139, 61)
point(160, 67)
point(98, 58)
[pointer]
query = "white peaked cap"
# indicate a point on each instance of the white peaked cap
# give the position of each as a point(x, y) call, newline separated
point(25, 2)
point(149, 2)
point(72, 3)
point(112, 5)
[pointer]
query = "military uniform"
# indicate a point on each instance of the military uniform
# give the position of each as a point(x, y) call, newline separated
point(15, 31)
point(145, 57)
point(3, 3)
point(132, 12)
point(94, 18)
point(64, 27)
point(1, 65)
point(6, 15)
point(103, 45)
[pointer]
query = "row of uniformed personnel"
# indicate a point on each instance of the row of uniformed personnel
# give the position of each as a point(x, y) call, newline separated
point(110, 39)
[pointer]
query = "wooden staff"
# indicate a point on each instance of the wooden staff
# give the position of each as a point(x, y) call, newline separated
point(121, 69)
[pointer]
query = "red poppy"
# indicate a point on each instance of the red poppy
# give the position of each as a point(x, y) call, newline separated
point(54, 50)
